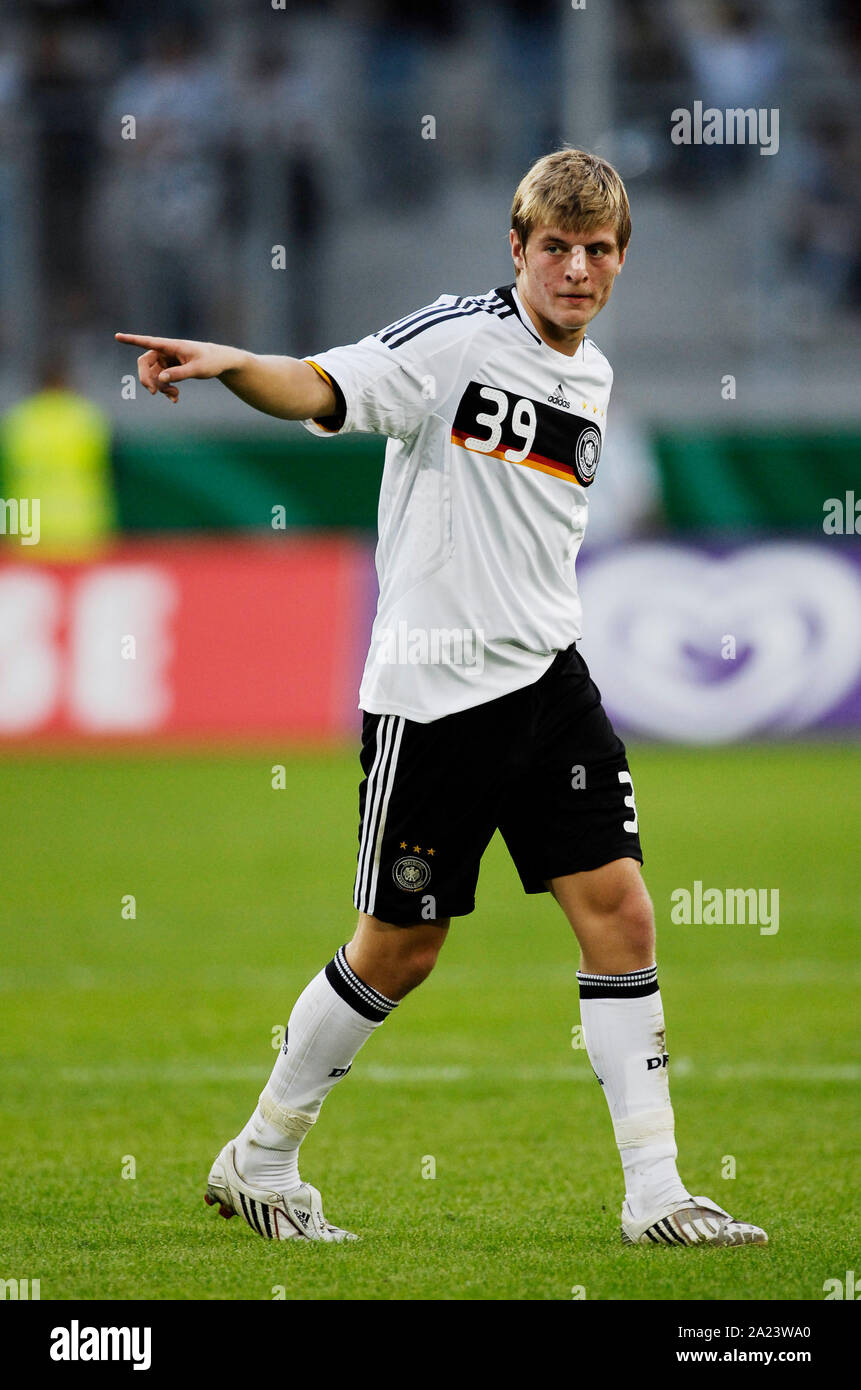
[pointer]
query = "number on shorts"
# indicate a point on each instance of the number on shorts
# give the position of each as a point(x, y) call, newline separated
point(625, 779)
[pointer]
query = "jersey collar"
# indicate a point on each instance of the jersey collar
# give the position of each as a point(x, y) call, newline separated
point(509, 294)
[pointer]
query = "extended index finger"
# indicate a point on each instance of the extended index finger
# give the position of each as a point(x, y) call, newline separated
point(141, 340)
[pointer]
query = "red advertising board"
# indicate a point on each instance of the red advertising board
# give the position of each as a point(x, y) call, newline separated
point(210, 639)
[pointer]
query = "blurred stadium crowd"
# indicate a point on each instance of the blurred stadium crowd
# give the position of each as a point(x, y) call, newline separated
point(257, 124)
point(288, 176)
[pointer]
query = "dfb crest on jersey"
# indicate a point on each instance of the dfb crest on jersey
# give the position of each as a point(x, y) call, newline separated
point(411, 874)
point(587, 454)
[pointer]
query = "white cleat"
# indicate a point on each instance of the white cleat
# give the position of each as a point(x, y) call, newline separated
point(698, 1221)
point(273, 1215)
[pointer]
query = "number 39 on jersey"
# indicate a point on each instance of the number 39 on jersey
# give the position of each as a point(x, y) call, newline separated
point(517, 429)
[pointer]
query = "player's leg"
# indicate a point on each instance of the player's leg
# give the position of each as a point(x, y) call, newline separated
point(622, 1017)
point(611, 913)
point(336, 1013)
point(331, 1020)
point(571, 826)
point(420, 843)
point(394, 959)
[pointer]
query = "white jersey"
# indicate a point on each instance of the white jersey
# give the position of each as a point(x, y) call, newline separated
point(494, 438)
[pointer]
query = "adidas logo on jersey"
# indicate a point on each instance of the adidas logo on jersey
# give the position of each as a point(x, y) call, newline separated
point(557, 397)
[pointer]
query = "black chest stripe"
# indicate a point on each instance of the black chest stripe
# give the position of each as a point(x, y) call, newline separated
point(566, 446)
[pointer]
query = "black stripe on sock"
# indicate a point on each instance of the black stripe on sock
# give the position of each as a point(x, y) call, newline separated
point(634, 985)
point(363, 998)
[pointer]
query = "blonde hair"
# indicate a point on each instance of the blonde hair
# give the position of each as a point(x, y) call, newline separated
point(573, 190)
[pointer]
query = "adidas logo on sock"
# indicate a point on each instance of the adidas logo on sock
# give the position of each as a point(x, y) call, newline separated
point(557, 397)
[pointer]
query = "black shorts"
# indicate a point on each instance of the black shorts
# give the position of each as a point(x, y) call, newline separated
point(542, 764)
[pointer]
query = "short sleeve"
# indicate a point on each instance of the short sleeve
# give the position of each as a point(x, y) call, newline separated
point(390, 382)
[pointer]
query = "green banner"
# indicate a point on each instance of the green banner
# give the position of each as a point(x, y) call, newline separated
point(223, 482)
point(754, 482)
point(710, 481)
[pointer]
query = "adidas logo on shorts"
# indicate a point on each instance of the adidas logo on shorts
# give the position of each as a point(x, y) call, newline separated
point(557, 397)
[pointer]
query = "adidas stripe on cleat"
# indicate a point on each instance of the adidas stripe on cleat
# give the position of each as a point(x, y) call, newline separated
point(698, 1221)
point(273, 1215)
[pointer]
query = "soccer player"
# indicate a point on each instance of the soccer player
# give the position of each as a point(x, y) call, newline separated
point(478, 709)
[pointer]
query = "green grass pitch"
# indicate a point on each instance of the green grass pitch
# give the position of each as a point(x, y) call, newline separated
point(149, 1039)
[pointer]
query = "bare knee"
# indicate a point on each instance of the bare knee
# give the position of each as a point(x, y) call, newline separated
point(612, 916)
point(417, 966)
point(394, 959)
point(619, 936)
point(635, 920)
point(629, 909)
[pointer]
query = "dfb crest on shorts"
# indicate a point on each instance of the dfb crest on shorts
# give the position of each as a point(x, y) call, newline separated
point(587, 454)
point(411, 874)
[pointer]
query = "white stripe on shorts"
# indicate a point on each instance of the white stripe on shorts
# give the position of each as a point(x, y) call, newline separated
point(378, 793)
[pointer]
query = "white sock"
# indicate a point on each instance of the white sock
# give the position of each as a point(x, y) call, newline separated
point(623, 1028)
point(332, 1018)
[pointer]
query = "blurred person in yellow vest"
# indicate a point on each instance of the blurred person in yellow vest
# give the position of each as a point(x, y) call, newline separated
point(56, 488)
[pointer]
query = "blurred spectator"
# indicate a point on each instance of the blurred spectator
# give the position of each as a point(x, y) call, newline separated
point(61, 95)
point(279, 101)
point(11, 75)
point(11, 91)
point(162, 201)
point(396, 68)
point(55, 447)
point(648, 43)
point(845, 16)
point(824, 242)
point(531, 60)
point(278, 175)
point(735, 58)
point(735, 55)
point(303, 125)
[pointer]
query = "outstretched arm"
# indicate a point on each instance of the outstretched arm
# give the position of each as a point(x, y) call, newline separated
point(282, 386)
